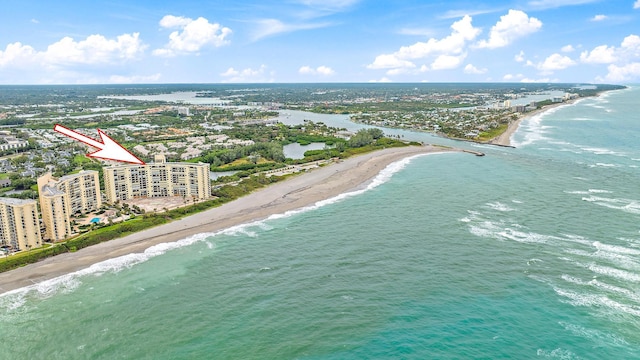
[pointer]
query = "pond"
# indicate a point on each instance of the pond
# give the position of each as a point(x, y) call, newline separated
point(296, 151)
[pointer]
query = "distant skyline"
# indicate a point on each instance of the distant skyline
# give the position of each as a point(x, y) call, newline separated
point(78, 42)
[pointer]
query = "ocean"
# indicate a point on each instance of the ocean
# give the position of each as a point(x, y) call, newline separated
point(526, 253)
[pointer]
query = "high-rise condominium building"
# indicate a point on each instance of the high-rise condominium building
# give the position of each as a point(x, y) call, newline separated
point(19, 224)
point(61, 198)
point(159, 179)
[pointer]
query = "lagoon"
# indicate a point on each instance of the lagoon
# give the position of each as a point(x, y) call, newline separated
point(296, 151)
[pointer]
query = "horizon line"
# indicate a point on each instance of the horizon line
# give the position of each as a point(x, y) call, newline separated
point(326, 83)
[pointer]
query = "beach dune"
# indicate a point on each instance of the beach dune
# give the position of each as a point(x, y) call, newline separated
point(297, 192)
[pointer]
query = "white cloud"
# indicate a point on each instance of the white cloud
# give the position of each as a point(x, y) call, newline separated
point(552, 63)
point(135, 79)
point(636, 5)
point(94, 50)
point(35, 21)
point(270, 27)
point(17, 55)
point(515, 24)
point(512, 77)
point(171, 21)
point(69, 61)
point(625, 67)
point(399, 71)
point(248, 75)
point(599, 17)
point(623, 60)
point(324, 70)
point(631, 45)
point(602, 54)
point(628, 51)
point(305, 70)
point(624, 73)
point(447, 62)
point(192, 35)
point(519, 56)
point(447, 52)
point(382, 80)
point(555, 62)
point(470, 69)
point(567, 48)
point(390, 61)
point(462, 32)
point(320, 70)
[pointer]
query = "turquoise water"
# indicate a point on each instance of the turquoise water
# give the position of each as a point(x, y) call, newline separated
point(525, 253)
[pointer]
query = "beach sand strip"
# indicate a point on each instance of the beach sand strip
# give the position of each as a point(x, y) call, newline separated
point(504, 139)
point(294, 193)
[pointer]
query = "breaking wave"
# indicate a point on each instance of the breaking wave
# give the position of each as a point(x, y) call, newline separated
point(68, 282)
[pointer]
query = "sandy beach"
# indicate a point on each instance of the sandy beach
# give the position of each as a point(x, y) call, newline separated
point(297, 192)
point(504, 139)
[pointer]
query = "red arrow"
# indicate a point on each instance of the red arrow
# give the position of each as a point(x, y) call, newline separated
point(109, 149)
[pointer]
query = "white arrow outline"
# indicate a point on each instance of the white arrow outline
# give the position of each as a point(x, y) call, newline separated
point(109, 149)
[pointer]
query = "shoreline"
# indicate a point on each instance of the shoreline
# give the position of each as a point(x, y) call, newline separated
point(504, 139)
point(295, 193)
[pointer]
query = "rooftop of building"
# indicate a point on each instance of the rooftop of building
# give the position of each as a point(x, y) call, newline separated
point(50, 190)
point(73, 176)
point(12, 201)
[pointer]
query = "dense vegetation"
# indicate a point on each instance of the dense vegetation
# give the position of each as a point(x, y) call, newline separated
point(222, 195)
point(396, 105)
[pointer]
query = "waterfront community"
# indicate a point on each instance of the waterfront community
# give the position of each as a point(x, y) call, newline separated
point(207, 146)
point(320, 179)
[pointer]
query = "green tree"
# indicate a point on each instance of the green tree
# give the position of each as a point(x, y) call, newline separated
point(362, 138)
point(376, 133)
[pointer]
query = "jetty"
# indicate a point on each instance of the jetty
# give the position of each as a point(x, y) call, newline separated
point(476, 153)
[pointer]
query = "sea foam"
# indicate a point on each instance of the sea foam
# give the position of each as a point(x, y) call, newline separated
point(533, 129)
point(595, 335)
point(626, 205)
point(596, 301)
point(69, 282)
point(16, 298)
point(597, 284)
point(558, 353)
point(498, 206)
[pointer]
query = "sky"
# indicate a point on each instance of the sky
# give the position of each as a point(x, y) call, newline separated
point(310, 41)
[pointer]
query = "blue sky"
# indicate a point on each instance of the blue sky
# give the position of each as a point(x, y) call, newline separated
point(157, 41)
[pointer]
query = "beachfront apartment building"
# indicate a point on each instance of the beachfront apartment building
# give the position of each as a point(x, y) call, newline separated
point(157, 179)
point(56, 213)
point(61, 198)
point(19, 225)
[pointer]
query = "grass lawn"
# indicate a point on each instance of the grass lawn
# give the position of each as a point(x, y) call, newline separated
point(81, 159)
point(488, 135)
